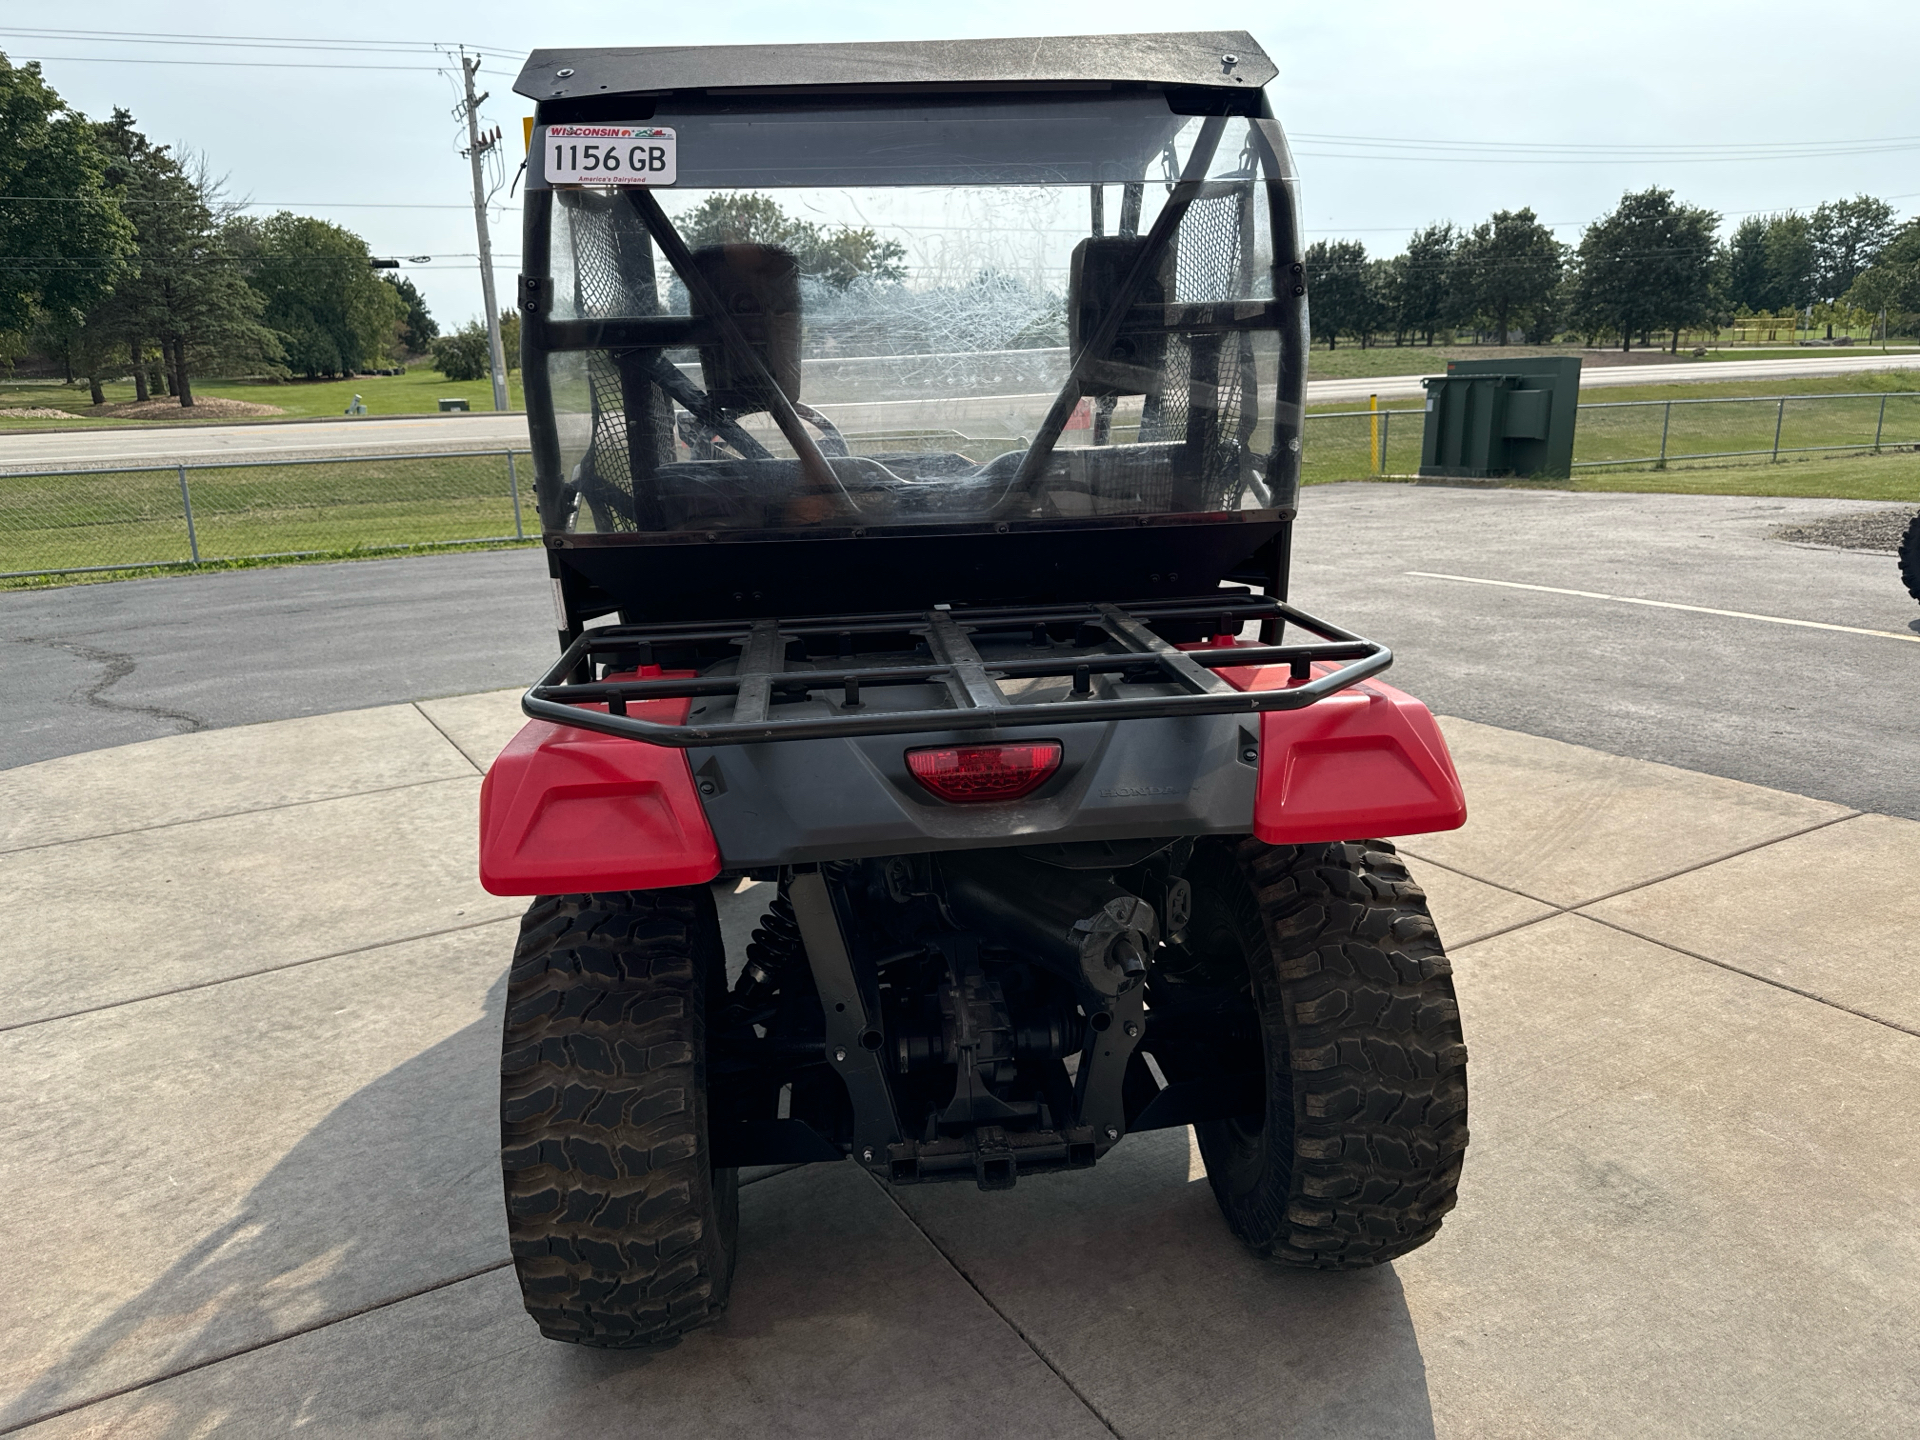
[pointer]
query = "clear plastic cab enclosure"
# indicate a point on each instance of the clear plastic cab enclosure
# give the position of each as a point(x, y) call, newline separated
point(960, 314)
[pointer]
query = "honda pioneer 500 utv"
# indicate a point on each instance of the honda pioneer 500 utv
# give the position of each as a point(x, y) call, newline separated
point(917, 431)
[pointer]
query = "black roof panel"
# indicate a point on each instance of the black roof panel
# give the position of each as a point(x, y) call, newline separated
point(1196, 57)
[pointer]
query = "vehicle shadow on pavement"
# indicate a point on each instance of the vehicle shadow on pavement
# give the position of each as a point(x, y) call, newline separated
point(396, 1189)
point(1128, 1279)
point(1124, 1280)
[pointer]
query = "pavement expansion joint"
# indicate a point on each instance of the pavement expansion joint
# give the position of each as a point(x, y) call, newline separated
point(248, 810)
point(1004, 1318)
point(1660, 879)
point(354, 1312)
point(263, 970)
point(237, 1351)
point(1581, 908)
point(478, 768)
point(1751, 975)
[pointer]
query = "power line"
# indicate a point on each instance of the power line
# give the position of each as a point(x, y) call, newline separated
point(277, 42)
point(234, 64)
point(237, 204)
point(1536, 160)
point(1521, 146)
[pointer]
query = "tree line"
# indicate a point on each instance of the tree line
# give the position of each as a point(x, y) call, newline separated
point(126, 256)
point(1650, 269)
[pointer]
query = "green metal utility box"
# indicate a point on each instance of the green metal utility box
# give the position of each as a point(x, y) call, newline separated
point(1488, 418)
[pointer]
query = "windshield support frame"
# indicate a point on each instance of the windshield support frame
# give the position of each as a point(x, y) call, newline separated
point(812, 463)
point(1165, 224)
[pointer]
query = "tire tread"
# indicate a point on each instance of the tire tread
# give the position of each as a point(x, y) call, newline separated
point(1358, 993)
point(620, 1232)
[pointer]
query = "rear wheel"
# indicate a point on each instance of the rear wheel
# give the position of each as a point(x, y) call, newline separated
point(1357, 1156)
point(622, 1232)
point(1910, 557)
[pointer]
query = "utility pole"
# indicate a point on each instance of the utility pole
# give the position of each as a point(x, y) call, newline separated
point(477, 147)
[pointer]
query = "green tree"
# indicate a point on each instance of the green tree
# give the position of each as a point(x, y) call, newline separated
point(1336, 288)
point(62, 229)
point(1791, 262)
point(463, 355)
point(1507, 272)
point(837, 254)
point(184, 295)
point(1892, 282)
point(417, 325)
point(1426, 299)
point(510, 337)
point(1650, 265)
point(1846, 236)
point(1746, 272)
point(329, 308)
point(1378, 302)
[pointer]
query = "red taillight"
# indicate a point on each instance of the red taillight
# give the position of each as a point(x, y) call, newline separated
point(965, 773)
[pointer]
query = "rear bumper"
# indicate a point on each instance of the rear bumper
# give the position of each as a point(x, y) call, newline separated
point(566, 809)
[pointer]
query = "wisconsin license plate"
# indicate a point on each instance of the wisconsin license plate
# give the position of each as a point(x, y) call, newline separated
point(609, 155)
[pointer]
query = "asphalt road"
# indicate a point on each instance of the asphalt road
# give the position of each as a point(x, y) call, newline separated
point(1594, 377)
point(31, 450)
point(25, 450)
point(1817, 711)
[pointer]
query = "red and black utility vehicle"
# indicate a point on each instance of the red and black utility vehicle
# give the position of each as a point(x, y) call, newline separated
point(917, 433)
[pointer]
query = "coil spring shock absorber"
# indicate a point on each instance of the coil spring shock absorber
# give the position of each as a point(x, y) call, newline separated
point(774, 946)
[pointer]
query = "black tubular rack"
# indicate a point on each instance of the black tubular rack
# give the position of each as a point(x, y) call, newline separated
point(1131, 651)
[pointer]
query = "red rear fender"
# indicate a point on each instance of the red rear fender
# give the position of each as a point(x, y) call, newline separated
point(1366, 762)
point(565, 811)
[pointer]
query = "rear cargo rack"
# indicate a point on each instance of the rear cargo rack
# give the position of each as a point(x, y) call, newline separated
point(1130, 653)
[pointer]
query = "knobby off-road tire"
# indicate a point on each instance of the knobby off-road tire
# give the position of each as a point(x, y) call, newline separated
point(1358, 1156)
point(1910, 557)
point(622, 1233)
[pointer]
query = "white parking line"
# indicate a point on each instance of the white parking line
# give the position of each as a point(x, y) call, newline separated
point(1667, 605)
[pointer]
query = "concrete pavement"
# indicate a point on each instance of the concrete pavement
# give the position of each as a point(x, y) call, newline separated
point(249, 1009)
point(204, 444)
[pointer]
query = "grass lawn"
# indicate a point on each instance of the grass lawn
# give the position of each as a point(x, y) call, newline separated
point(1815, 416)
point(416, 393)
point(52, 522)
point(208, 567)
point(1886, 476)
point(1799, 352)
point(1349, 362)
point(348, 508)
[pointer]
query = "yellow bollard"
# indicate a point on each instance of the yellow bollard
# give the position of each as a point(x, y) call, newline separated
point(1373, 434)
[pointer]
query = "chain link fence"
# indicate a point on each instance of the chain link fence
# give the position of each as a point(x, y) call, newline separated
point(73, 521)
point(145, 517)
point(1642, 434)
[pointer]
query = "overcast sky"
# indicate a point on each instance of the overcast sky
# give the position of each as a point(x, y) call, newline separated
point(1630, 83)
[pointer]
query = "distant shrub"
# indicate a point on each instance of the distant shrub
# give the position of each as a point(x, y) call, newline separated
point(463, 354)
